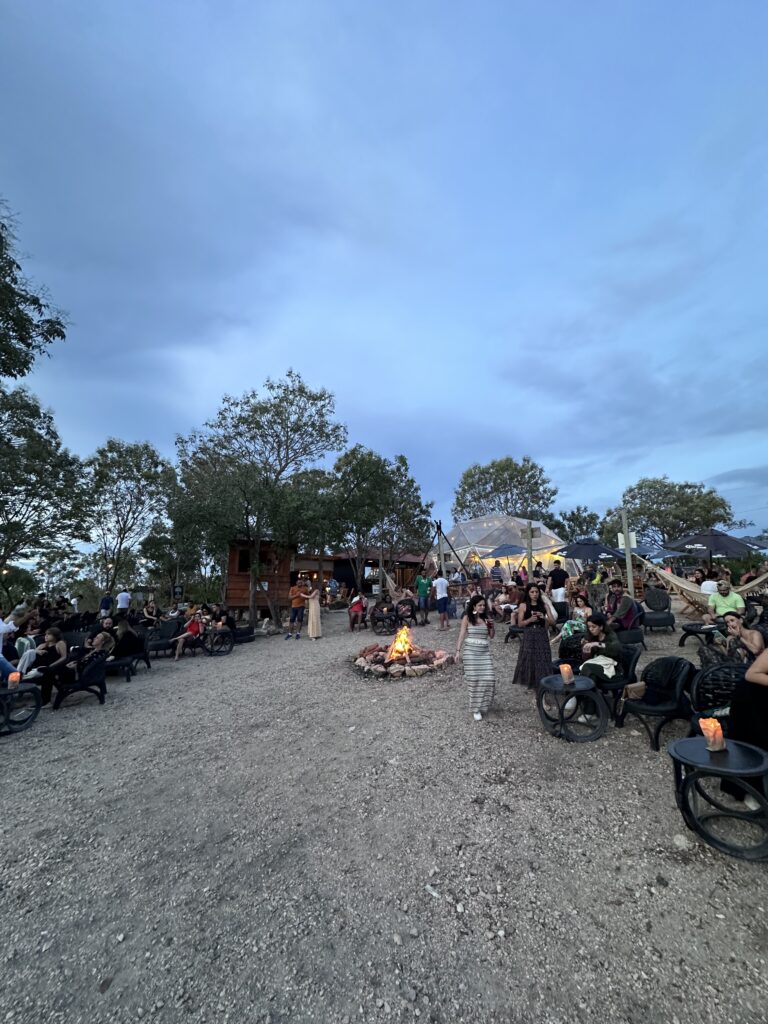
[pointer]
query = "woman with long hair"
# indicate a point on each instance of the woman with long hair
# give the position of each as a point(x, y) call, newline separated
point(534, 615)
point(476, 656)
point(314, 627)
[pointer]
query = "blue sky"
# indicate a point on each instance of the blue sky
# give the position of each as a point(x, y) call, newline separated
point(493, 229)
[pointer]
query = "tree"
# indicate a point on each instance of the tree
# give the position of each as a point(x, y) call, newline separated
point(380, 507)
point(128, 487)
point(42, 499)
point(28, 325)
point(234, 471)
point(659, 510)
point(16, 584)
point(503, 487)
point(573, 525)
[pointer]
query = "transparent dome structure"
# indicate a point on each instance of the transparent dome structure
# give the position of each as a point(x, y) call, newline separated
point(474, 540)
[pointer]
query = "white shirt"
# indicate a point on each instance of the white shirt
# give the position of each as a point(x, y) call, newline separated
point(441, 587)
point(7, 627)
point(709, 587)
point(123, 600)
point(73, 602)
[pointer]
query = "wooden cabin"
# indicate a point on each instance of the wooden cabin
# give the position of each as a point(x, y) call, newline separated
point(277, 575)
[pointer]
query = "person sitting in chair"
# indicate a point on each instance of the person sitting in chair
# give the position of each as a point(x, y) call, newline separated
point(724, 600)
point(193, 631)
point(619, 606)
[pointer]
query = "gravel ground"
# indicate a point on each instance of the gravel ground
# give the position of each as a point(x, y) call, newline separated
point(269, 837)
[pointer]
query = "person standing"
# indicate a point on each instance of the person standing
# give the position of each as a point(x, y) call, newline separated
point(105, 606)
point(473, 649)
point(423, 590)
point(123, 602)
point(441, 593)
point(556, 581)
point(314, 625)
point(298, 598)
point(497, 574)
point(535, 658)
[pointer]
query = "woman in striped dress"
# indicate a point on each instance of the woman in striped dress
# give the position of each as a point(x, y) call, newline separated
point(476, 655)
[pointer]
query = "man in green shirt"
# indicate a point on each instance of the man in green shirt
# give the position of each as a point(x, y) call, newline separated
point(423, 588)
point(725, 600)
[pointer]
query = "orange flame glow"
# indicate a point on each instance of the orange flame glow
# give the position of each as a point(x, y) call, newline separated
point(713, 732)
point(401, 646)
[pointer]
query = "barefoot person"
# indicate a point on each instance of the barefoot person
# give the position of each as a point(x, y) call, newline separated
point(473, 648)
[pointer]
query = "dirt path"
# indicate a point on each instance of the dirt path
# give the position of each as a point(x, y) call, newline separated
point(268, 837)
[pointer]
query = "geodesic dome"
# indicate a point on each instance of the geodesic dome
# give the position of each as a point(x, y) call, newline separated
point(474, 539)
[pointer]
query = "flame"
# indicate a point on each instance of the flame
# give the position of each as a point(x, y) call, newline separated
point(713, 733)
point(401, 646)
point(567, 673)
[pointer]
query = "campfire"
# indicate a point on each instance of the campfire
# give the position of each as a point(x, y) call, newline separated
point(401, 646)
point(402, 658)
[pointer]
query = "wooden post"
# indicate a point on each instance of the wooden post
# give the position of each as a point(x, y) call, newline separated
point(530, 550)
point(627, 553)
point(440, 546)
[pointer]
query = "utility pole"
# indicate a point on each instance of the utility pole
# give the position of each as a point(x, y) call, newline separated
point(628, 553)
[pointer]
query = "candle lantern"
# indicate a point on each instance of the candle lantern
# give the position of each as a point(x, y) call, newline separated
point(713, 733)
point(566, 673)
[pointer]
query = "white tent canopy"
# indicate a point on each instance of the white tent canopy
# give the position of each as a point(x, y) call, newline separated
point(474, 539)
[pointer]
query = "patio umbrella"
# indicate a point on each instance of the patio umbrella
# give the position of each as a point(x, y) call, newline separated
point(712, 543)
point(661, 554)
point(506, 551)
point(589, 550)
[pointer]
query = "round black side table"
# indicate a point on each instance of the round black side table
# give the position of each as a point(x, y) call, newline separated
point(723, 822)
point(574, 711)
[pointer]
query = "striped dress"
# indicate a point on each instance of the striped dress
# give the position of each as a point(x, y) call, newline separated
point(478, 668)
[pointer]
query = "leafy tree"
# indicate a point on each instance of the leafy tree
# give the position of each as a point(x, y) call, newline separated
point(16, 584)
point(576, 524)
point(380, 507)
point(660, 510)
point(503, 487)
point(234, 471)
point(42, 499)
point(128, 487)
point(171, 553)
point(28, 325)
point(59, 569)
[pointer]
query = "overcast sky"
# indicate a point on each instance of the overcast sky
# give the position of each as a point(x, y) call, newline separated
point(497, 228)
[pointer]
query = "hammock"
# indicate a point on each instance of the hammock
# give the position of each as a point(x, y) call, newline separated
point(691, 592)
point(395, 592)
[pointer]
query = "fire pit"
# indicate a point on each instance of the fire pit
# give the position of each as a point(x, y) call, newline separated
point(401, 658)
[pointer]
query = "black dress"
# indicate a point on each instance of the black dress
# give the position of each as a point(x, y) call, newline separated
point(535, 658)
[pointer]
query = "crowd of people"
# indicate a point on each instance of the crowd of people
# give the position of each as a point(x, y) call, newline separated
point(34, 635)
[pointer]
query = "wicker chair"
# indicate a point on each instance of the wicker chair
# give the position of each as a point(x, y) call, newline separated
point(659, 615)
point(712, 691)
point(665, 700)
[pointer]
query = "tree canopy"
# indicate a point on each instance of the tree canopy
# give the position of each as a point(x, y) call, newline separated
point(504, 487)
point(42, 500)
point(575, 524)
point(128, 488)
point(28, 324)
point(660, 510)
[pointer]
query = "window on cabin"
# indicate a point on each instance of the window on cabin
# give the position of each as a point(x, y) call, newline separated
point(244, 560)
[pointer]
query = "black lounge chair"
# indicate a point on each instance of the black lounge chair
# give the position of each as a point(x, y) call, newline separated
point(665, 700)
point(659, 615)
point(92, 678)
point(712, 691)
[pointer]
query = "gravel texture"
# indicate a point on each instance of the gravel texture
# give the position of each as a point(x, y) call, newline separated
point(271, 837)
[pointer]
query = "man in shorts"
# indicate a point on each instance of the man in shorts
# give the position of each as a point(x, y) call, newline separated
point(423, 588)
point(440, 587)
point(556, 582)
point(298, 596)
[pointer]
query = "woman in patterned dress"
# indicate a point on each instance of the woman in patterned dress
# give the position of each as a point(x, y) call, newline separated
point(535, 658)
point(476, 656)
